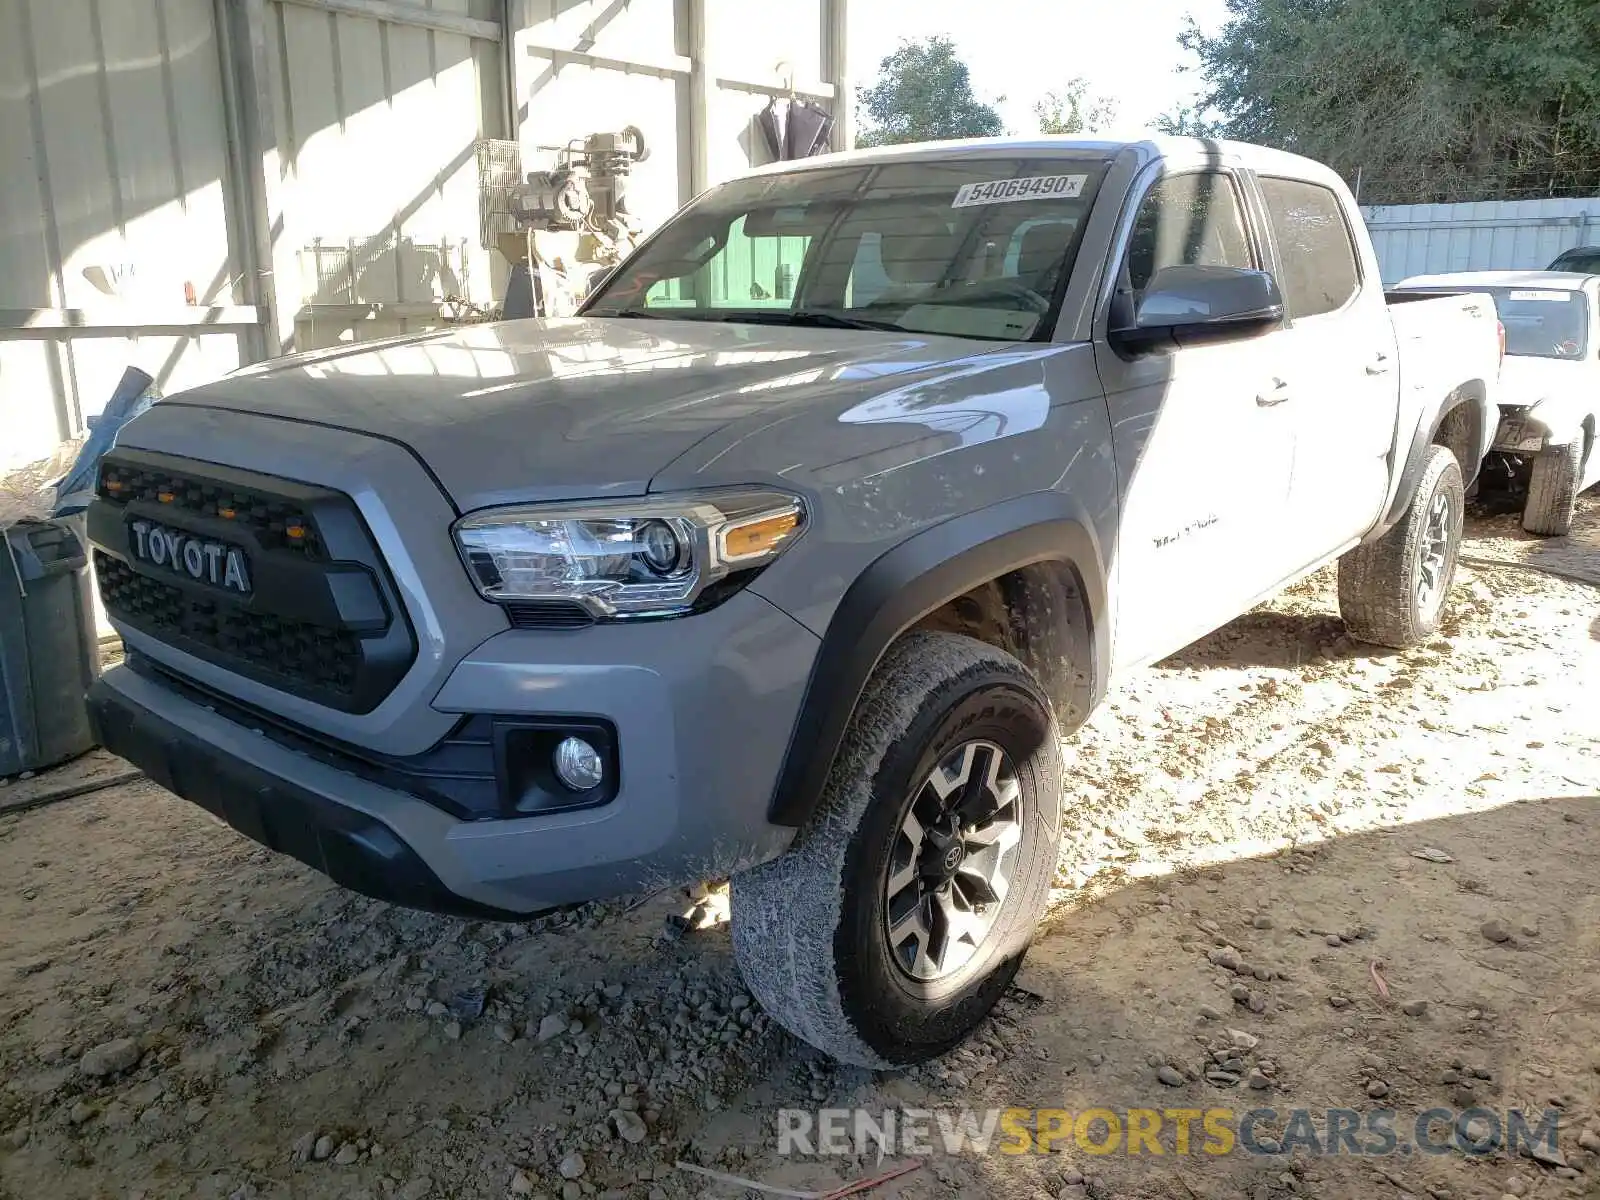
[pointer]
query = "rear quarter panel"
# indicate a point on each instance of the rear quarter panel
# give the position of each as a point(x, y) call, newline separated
point(1448, 346)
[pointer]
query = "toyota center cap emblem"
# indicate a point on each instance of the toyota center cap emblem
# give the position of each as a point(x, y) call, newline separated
point(952, 858)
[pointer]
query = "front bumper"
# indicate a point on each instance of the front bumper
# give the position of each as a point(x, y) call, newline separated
point(354, 849)
point(703, 709)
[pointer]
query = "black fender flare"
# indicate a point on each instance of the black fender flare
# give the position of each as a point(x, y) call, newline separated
point(1424, 436)
point(913, 579)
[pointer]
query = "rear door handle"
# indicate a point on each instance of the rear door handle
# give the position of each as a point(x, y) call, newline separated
point(1278, 394)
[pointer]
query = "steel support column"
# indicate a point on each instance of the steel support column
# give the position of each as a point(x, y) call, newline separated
point(247, 105)
point(837, 15)
point(699, 101)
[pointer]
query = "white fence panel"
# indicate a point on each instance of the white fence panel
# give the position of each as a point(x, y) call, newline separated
point(1427, 239)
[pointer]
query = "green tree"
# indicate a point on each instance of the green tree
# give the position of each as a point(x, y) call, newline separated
point(1425, 99)
point(1187, 120)
point(1074, 110)
point(923, 94)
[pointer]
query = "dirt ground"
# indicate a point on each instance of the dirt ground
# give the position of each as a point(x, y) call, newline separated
point(182, 1014)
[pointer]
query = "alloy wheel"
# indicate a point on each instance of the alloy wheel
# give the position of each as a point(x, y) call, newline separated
point(952, 862)
point(1434, 561)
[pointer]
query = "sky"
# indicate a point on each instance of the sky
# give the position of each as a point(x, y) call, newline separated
point(1021, 49)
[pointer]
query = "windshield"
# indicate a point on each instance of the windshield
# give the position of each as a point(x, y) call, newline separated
point(1543, 323)
point(978, 248)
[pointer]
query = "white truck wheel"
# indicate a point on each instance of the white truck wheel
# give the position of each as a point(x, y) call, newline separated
point(1553, 489)
point(900, 915)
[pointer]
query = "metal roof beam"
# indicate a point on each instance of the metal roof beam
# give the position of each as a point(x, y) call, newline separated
point(409, 14)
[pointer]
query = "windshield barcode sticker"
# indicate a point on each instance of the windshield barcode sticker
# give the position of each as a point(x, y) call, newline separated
point(1555, 297)
point(1006, 191)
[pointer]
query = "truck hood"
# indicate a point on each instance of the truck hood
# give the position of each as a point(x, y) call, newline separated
point(576, 407)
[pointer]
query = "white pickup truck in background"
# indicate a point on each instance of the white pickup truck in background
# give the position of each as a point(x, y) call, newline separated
point(1550, 385)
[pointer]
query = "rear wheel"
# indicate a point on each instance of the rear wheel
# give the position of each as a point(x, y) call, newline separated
point(1392, 591)
point(903, 910)
point(1553, 489)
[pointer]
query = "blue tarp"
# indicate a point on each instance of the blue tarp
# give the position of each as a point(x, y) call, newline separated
point(135, 393)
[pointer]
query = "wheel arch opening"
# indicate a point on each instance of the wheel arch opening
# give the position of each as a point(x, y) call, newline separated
point(1038, 614)
point(1026, 575)
point(1460, 429)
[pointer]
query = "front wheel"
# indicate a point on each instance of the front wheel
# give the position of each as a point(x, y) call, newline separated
point(902, 912)
point(1392, 591)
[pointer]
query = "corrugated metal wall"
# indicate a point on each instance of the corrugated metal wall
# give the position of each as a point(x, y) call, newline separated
point(691, 74)
point(1426, 239)
point(186, 185)
point(582, 67)
point(113, 158)
point(373, 179)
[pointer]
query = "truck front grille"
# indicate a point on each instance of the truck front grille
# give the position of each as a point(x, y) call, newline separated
point(319, 618)
point(294, 651)
point(269, 518)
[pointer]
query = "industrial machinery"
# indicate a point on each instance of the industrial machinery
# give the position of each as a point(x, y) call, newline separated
point(559, 228)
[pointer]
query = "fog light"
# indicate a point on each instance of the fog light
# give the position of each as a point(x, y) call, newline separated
point(578, 764)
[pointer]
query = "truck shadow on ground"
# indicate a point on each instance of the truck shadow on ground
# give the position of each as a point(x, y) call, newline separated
point(1122, 1002)
point(1126, 983)
point(1271, 638)
point(286, 1006)
point(1495, 542)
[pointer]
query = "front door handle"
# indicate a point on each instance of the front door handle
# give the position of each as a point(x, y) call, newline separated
point(1275, 397)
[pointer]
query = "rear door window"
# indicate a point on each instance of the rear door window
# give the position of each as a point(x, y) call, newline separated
point(1317, 255)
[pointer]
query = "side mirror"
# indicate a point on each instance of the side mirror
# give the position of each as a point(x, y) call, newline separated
point(1193, 306)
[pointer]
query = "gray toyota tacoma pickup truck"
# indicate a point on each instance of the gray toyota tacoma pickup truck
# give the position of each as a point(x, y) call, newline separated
point(793, 556)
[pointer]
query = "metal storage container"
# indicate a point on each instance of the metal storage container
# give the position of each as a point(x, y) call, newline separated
point(49, 653)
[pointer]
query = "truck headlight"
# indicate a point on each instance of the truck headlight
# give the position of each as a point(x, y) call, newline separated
point(647, 557)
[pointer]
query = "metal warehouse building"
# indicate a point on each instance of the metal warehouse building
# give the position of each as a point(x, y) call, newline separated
point(190, 185)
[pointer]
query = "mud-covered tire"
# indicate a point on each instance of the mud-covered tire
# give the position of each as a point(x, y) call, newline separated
point(809, 929)
point(1553, 489)
point(1380, 594)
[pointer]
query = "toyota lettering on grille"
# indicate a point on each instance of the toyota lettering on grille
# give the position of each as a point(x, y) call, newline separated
point(216, 563)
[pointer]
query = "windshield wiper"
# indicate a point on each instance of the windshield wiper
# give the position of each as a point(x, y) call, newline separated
point(651, 313)
point(811, 317)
